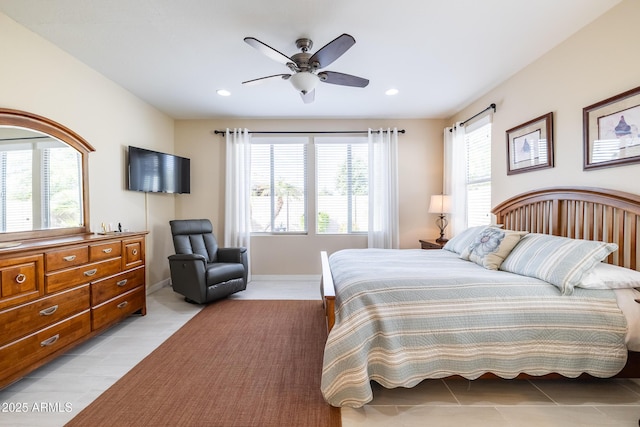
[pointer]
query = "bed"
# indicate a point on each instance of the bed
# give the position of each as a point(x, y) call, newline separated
point(541, 305)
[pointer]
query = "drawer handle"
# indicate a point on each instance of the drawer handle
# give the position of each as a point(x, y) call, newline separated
point(122, 282)
point(107, 250)
point(123, 304)
point(50, 341)
point(135, 252)
point(21, 278)
point(69, 258)
point(48, 311)
point(91, 272)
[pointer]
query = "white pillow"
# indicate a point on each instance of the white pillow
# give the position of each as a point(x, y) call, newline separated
point(609, 276)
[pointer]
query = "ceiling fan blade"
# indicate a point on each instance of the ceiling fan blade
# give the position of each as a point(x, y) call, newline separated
point(308, 97)
point(332, 50)
point(342, 79)
point(261, 79)
point(268, 50)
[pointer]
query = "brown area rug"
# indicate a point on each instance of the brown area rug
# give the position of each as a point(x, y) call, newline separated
point(236, 363)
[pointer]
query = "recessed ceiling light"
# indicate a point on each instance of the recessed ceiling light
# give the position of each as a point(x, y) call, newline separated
point(223, 92)
point(391, 92)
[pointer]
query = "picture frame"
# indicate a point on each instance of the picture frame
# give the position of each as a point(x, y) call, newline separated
point(530, 145)
point(611, 131)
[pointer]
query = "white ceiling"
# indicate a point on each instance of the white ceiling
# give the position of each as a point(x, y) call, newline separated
point(175, 54)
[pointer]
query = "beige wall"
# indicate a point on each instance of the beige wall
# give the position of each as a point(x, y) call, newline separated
point(420, 172)
point(598, 62)
point(579, 72)
point(38, 77)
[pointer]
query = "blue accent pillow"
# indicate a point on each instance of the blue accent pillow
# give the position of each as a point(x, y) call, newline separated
point(462, 240)
point(491, 246)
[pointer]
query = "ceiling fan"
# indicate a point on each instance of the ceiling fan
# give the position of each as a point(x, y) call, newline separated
point(305, 67)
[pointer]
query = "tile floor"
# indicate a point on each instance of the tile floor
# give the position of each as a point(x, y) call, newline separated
point(53, 394)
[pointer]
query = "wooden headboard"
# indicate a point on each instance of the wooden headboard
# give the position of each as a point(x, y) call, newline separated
point(580, 213)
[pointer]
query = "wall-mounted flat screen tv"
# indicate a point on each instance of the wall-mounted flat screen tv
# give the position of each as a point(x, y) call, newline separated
point(155, 172)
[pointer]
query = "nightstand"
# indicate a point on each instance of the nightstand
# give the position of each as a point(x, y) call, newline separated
point(431, 244)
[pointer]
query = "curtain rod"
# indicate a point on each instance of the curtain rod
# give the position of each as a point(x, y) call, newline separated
point(492, 106)
point(223, 133)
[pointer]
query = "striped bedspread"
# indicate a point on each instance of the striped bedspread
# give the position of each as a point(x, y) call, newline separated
point(406, 315)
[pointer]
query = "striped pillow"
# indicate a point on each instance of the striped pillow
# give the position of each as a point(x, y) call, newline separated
point(558, 260)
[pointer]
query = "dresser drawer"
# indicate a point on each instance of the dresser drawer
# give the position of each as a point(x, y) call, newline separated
point(22, 320)
point(21, 280)
point(65, 258)
point(105, 289)
point(28, 350)
point(118, 308)
point(83, 274)
point(105, 250)
point(133, 255)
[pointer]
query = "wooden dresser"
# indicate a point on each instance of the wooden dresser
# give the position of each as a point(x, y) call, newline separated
point(56, 293)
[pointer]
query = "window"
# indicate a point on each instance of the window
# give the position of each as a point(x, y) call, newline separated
point(48, 168)
point(478, 179)
point(17, 176)
point(281, 195)
point(61, 187)
point(278, 185)
point(342, 185)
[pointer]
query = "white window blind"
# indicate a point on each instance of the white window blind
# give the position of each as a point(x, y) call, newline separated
point(16, 168)
point(44, 167)
point(278, 185)
point(62, 185)
point(342, 185)
point(478, 144)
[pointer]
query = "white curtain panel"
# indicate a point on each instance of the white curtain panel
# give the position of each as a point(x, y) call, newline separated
point(383, 189)
point(237, 221)
point(455, 175)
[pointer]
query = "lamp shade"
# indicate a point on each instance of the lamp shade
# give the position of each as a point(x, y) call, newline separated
point(440, 204)
point(304, 81)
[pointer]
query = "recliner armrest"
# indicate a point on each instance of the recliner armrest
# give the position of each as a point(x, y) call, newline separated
point(231, 254)
point(187, 257)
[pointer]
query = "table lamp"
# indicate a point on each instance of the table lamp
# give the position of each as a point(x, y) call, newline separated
point(440, 204)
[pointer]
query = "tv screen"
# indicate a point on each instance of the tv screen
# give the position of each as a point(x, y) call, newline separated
point(155, 172)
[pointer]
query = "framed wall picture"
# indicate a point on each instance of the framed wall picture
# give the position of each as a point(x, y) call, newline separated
point(611, 131)
point(530, 145)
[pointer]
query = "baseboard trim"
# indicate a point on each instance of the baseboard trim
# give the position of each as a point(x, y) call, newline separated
point(157, 286)
point(281, 277)
point(254, 278)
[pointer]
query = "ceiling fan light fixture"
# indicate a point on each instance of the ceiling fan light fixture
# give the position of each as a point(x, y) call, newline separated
point(304, 81)
point(307, 70)
point(391, 92)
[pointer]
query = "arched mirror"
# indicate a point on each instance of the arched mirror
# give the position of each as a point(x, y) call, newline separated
point(43, 178)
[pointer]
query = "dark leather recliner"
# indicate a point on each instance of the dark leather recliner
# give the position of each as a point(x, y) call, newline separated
point(200, 270)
